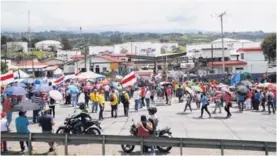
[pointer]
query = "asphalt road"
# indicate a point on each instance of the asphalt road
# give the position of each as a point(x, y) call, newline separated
point(248, 125)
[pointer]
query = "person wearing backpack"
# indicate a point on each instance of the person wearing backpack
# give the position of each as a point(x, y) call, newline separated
point(269, 99)
point(114, 101)
point(126, 101)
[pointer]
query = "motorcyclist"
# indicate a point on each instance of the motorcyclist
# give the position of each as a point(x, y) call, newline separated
point(144, 128)
point(153, 118)
point(85, 118)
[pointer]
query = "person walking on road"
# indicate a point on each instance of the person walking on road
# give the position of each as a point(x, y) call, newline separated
point(269, 99)
point(126, 102)
point(205, 104)
point(114, 102)
point(4, 129)
point(46, 122)
point(217, 102)
point(101, 101)
point(228, 104)
point(147, 97)
point(188, 104)
point(22, 126)
point(137, 99)
point(93, 98)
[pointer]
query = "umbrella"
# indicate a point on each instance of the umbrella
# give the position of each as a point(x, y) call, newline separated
point(272, 86)
point(88, 87)
point(56, 95)
point(8, 91)
point(37, 81)
point(25, 105)
point(221, 85)
point(165, 83)
point(196, 89)
point(189, 90)
point(41, 88)
point(17, 90)
point(246, 83)
point(28, 81)
point(242, 89)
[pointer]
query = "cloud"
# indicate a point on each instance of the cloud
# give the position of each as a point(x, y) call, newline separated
point(139, 15)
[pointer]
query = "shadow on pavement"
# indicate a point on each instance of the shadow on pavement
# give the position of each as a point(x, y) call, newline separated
point(198, 118)
point(219, 117)
point(184, 113)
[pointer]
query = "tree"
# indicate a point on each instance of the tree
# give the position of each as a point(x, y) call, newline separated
point(116, 39)
point(34, 41)
point(5, 39)
point(24, 39)
point(66, 44)
point(4, 67)
point(269, 47)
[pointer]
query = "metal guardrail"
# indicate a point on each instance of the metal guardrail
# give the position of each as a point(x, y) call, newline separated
point(132, 140)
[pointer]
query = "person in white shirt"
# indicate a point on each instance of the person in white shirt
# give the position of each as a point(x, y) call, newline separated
point(4, 129)
point(137, 98)
point(147, 97)
point(107, 92)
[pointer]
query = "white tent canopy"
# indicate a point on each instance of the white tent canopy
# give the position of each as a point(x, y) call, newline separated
point(21, 73)
point(58, 71)
point(90, 75)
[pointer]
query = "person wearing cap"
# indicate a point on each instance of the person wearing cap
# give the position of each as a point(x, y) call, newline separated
point(22, 126)
point(4, 129)
point(46, 122)
point(93, 98)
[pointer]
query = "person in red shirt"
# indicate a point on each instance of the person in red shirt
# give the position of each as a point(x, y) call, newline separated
point(7, 108)
point(142, 94)
point(228, 104)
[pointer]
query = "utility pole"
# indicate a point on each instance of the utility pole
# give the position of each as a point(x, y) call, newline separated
point(29, 39)
point(84, 49)
point(222, 39)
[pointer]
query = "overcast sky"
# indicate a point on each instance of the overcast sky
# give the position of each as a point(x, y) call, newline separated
point(247, 15)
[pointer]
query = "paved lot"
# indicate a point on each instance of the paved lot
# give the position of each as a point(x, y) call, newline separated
point(241, 126)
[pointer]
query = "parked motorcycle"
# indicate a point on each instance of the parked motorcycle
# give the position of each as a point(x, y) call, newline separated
point(92, 127)
point(158, 133)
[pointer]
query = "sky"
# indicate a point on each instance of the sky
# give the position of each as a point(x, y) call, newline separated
point(139, 16)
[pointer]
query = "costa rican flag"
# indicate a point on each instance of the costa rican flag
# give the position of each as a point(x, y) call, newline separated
point(7, 78)
point(59, 80)
point(129, 80)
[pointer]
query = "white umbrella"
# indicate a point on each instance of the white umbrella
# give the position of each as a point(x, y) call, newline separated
point(56, 95)
point(89, 75)
point(21, 74)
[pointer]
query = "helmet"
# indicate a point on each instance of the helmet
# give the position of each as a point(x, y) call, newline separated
point(152, 110)
point(82, 106)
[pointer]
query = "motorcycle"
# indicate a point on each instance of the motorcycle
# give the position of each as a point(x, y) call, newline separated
point(158, 133)
point(92, 127)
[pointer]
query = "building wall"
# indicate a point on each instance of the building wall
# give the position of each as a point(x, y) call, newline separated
point(256, 62)
point(69, 69)
point(67, 54)
point(100, 49)
point(81, 64)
